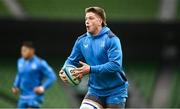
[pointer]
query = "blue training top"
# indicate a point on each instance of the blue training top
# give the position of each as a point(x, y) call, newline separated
point(32, 73)
point(104, 55)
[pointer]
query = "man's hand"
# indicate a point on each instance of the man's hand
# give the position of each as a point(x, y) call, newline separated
point(15, 90)
point(39, 90)
point(80, 72)
point(62, 75)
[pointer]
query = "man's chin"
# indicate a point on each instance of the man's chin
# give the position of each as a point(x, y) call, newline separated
point(25, 57)
point(89, 31)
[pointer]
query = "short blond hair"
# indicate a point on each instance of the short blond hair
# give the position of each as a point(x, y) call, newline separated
point(99, 11)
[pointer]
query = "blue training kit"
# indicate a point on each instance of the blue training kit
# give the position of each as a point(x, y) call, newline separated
point(104, 55)
point(32, 73)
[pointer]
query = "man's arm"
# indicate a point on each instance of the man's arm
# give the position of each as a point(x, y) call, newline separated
point(75, 55)
point(48, 73)
point(16, 84)
point(115, 58)
point(114, 65)
point(73, 59)
point(17, 81)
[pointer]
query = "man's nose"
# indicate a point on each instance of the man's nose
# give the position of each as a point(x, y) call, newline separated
point(87, 22)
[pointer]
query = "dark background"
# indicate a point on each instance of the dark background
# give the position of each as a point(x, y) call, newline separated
point(140, 40)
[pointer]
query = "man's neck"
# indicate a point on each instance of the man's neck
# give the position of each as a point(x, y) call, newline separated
point(97, 31)
point(30, 57)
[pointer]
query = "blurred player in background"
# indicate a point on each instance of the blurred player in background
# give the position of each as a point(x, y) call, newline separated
point(99, 53)
point(33, 77)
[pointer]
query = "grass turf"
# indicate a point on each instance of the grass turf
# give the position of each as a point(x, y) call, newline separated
point(56, 96)
point(175, 96)
point(178, 10)
point(143, 75)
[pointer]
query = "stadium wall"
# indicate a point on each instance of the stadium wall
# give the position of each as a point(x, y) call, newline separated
point(140, 40)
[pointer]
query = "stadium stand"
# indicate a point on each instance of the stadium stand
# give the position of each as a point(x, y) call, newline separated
point(4, 10)
point(66, 9)
point(56, 13)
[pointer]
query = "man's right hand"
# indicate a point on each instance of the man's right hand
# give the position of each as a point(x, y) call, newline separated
point(62, 75)
point(15, 90)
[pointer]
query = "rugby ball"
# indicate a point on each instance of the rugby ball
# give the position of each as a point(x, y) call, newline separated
point(68, 70)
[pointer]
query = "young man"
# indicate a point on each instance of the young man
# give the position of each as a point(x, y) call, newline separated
point(34, 76)
point(99, 53)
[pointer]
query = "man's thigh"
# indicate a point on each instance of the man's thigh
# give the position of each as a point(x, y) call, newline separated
point(35, 102)
point(22, 104)
point(116, 101)
point(92, 102)
point(29, 103)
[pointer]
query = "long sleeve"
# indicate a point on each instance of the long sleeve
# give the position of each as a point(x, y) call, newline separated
point(49, 74)
point(17, 81)
point(17, 78)
point(75, 55)
point(114, 53)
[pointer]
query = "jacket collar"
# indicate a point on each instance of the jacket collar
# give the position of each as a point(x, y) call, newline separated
point(104, 30)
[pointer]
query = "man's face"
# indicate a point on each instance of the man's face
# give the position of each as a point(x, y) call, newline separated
point(93, 22)
point(27, 52)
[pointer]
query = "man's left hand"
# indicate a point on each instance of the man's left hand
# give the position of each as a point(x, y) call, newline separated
point(80, 72)
point(39, 90)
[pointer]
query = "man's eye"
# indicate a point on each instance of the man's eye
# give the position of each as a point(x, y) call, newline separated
point(91, 18)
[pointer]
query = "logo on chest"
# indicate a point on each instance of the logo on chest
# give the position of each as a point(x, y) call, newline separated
point(20, 65)
point(102, 44)
point(33, 66)
point(85, 45)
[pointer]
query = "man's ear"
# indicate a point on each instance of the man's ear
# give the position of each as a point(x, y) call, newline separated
point(100, 21)
point(33, 50)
